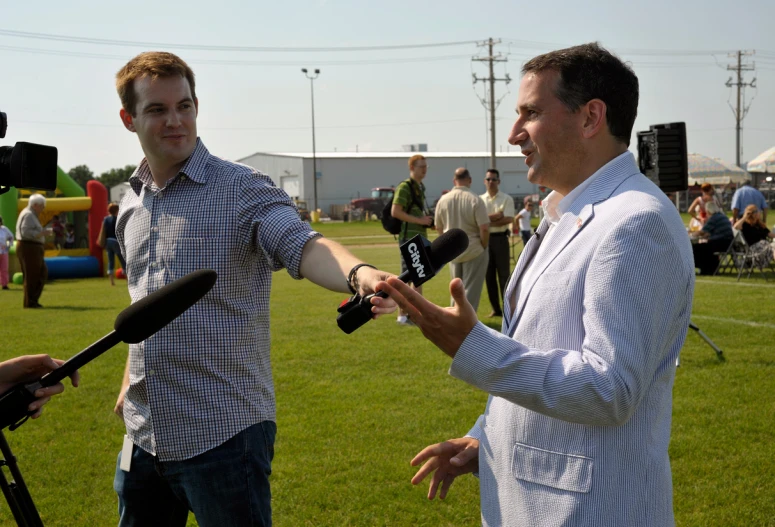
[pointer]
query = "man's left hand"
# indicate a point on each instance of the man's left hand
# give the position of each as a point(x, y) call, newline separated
point(29, 368)
point(446, 461)
point(446, 327)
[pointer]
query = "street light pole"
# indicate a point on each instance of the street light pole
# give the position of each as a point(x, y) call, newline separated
point(314, 153)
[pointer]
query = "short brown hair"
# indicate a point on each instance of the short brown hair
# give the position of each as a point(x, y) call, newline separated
point(414, 159)
point(591, 72)
point(113, 209)
point(153, 64)
point(707, 188)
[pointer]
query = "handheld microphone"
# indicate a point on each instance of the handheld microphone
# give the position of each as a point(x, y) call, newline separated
point(421, 265)
point(134, 324)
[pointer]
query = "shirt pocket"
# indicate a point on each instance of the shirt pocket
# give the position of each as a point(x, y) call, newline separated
point(553, 469)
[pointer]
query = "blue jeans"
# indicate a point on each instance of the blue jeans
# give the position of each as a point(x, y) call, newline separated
point(114, 249)
point(228, 485)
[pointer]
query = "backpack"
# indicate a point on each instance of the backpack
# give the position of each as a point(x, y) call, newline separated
point(391, 224)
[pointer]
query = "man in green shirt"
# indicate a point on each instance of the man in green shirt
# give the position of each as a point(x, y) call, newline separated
point(408, 206)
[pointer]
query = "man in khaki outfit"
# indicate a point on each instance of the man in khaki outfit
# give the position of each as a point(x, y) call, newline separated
point(462, 209)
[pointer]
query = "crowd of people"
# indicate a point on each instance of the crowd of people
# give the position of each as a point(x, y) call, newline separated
point(489, 221)
point(716, 232)
point(487, 259)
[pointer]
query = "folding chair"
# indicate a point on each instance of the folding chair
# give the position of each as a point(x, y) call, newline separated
point(756, 258)
point(733, 258)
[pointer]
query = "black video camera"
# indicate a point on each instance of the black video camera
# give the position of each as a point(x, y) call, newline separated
point(26, 165)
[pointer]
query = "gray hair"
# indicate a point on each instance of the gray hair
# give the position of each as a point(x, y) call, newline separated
point(37, 199)
point(712, 208)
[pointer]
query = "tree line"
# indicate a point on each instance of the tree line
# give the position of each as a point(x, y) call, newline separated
point(81, 174)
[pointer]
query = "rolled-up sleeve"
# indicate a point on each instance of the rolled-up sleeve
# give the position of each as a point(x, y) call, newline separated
point(274, 225)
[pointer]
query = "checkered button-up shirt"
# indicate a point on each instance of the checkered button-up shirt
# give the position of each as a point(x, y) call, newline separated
point(206, 376)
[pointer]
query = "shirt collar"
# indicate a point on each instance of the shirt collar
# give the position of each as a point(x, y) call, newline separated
point(555, 204)
point(194, 168)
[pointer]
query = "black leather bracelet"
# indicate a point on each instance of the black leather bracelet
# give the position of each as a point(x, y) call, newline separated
point(352, 276)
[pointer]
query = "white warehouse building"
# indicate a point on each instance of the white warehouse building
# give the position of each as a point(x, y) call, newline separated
point(343, 176)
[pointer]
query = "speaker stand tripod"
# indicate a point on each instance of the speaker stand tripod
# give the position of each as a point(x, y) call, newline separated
point(719, 353)
point(15, 490)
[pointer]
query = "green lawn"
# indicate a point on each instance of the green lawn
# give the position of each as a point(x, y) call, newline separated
point(353, 410)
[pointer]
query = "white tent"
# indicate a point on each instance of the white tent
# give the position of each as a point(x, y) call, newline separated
point(703, 169)
point(764, 162)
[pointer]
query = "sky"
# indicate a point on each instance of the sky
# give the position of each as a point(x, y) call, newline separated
point(61, 92)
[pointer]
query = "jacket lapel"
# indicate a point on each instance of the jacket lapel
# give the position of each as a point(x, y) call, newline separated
point(524, 260)
point(571, 223)
point(568, 227)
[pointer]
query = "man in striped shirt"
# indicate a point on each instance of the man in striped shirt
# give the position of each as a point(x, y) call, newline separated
point(197, 397)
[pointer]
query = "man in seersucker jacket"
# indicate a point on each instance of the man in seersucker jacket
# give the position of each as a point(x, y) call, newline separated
point(577, 425)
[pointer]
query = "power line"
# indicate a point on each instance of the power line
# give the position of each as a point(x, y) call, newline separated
point(622, 51)
point(357, 62)
point(334, 49)
point(202, 47)
point(266, 128)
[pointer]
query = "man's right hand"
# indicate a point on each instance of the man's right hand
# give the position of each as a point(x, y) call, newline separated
point(447, 461)
point(119, 409)
point(426, 220)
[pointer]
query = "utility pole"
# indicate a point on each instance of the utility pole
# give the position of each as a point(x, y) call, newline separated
point(312, 78)
point(741, 111)
point(491, 105)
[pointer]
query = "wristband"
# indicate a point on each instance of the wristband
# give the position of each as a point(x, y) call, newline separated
point(352, 277)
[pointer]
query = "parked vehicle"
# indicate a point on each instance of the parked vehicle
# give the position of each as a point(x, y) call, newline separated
point(374, 204)
point(303, 211)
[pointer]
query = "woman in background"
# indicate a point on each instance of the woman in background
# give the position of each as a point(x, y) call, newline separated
point(111, 243)
point(6, 239)
point(697, 208)
point(757, 235)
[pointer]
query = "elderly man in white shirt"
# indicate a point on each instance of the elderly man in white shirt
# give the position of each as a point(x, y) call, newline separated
point(32, 236)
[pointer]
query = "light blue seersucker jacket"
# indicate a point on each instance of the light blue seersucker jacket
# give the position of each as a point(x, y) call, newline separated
point(577, 425)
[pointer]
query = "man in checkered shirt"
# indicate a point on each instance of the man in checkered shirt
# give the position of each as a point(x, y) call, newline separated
point(197, 398)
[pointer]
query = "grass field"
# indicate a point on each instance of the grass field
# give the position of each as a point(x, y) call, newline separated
point(353, 410)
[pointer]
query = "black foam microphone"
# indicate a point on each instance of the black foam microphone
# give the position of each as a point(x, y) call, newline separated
point(421, 267)
point(134, 324)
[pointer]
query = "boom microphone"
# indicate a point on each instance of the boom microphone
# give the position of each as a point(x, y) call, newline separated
point(421, 267)
point(134, 324)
